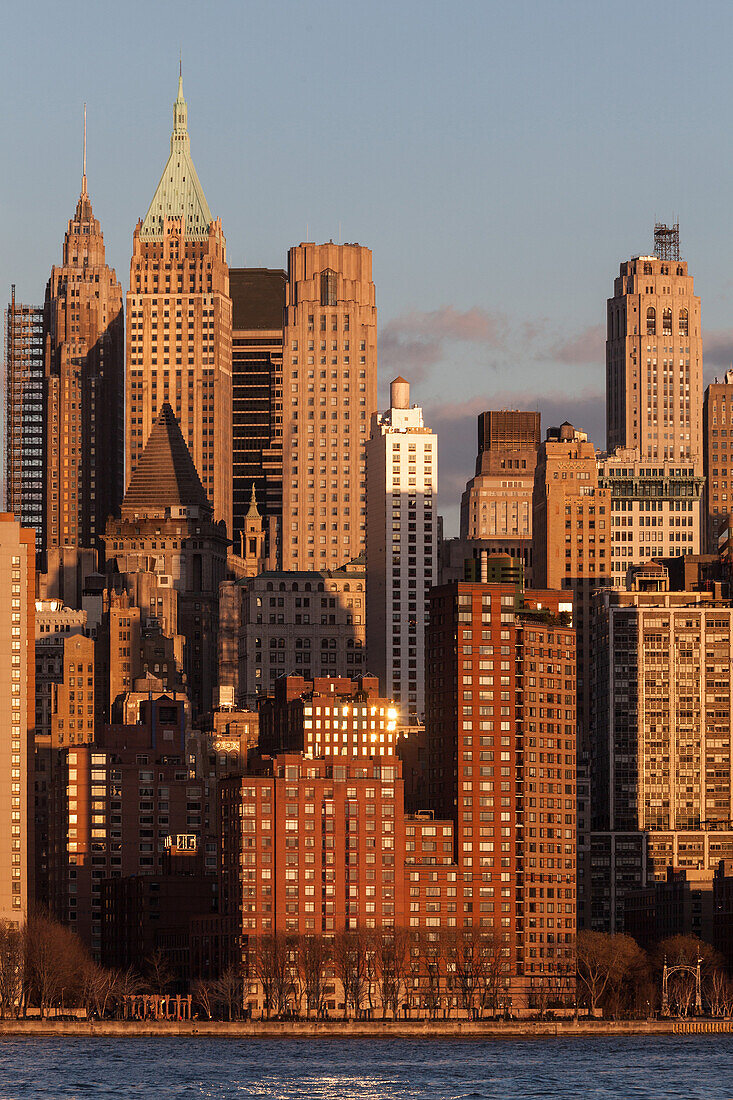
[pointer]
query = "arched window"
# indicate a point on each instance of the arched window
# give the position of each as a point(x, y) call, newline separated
point(667, 322)
point(295, 586)
point(269, 586)
point(680, 270)
point(282, 586)
point(684, 324)
point(651, 321)
point(347, 588)
point(647, 269)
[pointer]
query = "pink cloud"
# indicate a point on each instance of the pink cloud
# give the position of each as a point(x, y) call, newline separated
point(587, 346)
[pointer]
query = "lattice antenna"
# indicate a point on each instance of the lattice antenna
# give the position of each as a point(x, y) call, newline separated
point(667, 241)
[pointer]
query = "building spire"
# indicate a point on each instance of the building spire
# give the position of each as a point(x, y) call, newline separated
point(84, 157)
point(253, 512)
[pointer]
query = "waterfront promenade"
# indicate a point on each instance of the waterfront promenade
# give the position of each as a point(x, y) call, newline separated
point(367, 1029)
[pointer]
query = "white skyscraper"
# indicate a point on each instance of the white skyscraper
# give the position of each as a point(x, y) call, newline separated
point(401, 547)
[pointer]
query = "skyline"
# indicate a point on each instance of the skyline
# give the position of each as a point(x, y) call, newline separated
point(495, 243)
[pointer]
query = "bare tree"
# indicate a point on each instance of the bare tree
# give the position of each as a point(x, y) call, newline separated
point(11, 968)
point(54, 960)
point(205, 994)
point(229, 989)
point(604, 962)
point(98, 986)
point(391, 953)
point(350, 962)
point(158, 971)
point(314, 954)
point(431, 970)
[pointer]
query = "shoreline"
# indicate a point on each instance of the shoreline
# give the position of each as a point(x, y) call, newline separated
point(373, 1029)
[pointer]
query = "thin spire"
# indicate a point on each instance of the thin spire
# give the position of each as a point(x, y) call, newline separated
point(84, 156)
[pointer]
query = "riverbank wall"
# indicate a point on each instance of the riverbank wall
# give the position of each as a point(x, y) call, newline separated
point(372, 1029)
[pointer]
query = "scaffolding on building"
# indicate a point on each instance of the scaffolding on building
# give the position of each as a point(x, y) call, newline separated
point(667, 241)
point(24, 419)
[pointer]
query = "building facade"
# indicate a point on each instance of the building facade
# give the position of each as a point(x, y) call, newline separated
point(401, 546)
point(277, 624)
point(717, 451)
point(501, 725)
point(572, 515)
point(328, 717)
point(655, 509)
point(24, 420)
point(662, 787)
point(84, 402)
point(654, 357)
point(258, 306)
point(18, 707)
point(171, 553)
point(179, 324)
point(329, 396)
point(497, 503)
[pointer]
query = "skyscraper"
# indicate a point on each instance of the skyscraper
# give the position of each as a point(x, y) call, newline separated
point(401, 546)
point(24, 418)
point(717, 457)
point(654, 356)
point(497, 504)
point(571, 517)
point(661, 780)
point(83, 338)
point(17, 717)
point(179, 323)
point(258, 305)
point(502, 767)
point(329, 395)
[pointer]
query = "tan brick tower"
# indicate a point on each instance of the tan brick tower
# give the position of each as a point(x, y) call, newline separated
point(654, 356)
point(329, 395)
point(179, 323)
point(84, 372)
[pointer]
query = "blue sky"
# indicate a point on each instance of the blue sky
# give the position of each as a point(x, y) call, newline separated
point(499, 159)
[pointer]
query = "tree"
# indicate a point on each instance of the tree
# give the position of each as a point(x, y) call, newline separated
point(314, 954)
point(350, 962)
point(158, 971)
point(431, 970)
point(205, 994)
point(54, 961)
point(604, 962)
point(11, 968)
point(391, 955)
point(98, 987)
point(228, 987)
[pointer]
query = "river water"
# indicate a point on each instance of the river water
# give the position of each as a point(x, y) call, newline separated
point(666, 1068)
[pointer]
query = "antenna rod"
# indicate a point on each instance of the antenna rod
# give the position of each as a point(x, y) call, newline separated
point(84, 159)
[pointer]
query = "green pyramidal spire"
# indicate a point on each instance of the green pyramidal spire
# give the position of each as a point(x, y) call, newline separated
point(179, 193)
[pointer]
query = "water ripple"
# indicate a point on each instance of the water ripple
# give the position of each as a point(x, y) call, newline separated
point(633, 1068)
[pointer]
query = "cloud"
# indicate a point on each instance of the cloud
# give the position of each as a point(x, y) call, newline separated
point(717, 348)
point(587, 346)
point(415, 342)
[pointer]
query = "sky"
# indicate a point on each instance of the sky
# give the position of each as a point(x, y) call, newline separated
point(500, 159)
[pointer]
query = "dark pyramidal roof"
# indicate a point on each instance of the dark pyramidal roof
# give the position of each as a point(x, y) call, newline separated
point(165, 475)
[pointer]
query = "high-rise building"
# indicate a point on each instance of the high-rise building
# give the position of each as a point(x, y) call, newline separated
point(655, 509)
point(17, 715)
point(329, 395)
point(571, 534)
point(501, 725)
point(497, 503)
point(661, 775)
point(717, 457)
point(24, 418)
point(83, 336)
point(258, 306)
point(273, 624)
point(401, 546)
point(328, 717)
point(172, 553)
point(179, 324)
point(654, 356)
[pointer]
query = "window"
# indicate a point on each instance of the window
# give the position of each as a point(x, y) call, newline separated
point(667, 322)
point(651, 321)
point(683, 322)
point(328, 288)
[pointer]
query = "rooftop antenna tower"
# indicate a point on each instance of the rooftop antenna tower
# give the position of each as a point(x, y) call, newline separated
point(667, 241)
